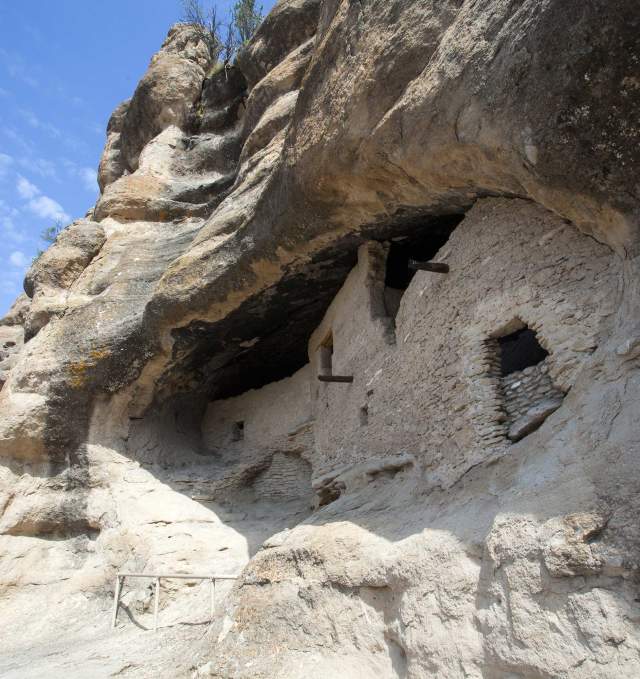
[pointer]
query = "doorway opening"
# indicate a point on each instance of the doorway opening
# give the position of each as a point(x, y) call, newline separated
point(326, 356)
point(422, 244)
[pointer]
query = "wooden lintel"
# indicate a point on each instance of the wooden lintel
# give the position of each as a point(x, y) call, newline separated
point(336, 378)
point(435, 267)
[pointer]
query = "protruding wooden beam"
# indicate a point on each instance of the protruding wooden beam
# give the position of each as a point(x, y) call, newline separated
point(336, 378)
point(435, 267)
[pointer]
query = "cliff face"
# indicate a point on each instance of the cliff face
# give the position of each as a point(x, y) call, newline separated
point(445, 515)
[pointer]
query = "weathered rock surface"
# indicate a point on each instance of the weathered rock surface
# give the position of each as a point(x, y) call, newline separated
point(232, 211)
point(166, 93)
point(289, 24)
point(111, 163)
point(12, 336)
point(53, 273)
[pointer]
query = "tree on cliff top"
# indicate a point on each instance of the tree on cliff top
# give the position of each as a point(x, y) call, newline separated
point(48, 236)
point(206, 22)
point(244, 19)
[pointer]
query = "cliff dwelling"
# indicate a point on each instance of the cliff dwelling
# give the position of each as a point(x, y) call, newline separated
point(338, 379)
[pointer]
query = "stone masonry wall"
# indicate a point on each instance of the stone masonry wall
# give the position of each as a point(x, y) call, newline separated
point(287, 478)
point(525, 388)
point(271, 416)
point(431, 390)
point(275, 437)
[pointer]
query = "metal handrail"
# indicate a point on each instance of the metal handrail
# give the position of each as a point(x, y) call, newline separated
point(120, 578)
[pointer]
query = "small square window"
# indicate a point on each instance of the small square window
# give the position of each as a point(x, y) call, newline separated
point(237, 433)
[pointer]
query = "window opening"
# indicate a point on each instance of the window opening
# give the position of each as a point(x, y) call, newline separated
point(528, 393)
point(238, 431)
point(364, 416)
point(520, 350)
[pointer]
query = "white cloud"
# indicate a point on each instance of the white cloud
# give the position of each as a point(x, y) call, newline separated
point(98, 129)
point(38, 124)
point(10, 231)
point(8, 286)
point(17, 138)
point(11, 279)
point(87, 175)
point(6, 209)
point(5, 162)
point(89, 178)
point(30, 117)
point(26, 189)
point(41, 166)
point(47, 208)
point(18, 259)
point(48, 128)
point(41, 205)
point(16, 67)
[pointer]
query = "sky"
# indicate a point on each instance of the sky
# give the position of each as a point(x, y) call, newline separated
point(64, 66)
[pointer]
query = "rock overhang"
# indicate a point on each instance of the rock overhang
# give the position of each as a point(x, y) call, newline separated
point(265, 338)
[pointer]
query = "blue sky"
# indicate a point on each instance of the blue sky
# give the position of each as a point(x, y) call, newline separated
point(64, 67)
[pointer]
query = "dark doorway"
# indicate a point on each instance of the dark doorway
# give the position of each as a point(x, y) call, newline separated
point(422, 244)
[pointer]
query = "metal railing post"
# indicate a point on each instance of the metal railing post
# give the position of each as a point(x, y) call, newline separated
point(155, 606)
point(120, 578)
point(116, 599)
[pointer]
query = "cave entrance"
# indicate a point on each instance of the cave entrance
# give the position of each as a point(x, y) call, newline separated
point(421, 244)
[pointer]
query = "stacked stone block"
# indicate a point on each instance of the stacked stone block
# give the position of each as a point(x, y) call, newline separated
point(287, 478)
point(526, 388)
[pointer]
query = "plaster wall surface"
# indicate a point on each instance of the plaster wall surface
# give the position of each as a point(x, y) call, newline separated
point(271, 416)
point(266, 434)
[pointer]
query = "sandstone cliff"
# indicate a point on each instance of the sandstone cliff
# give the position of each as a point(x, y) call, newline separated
point(440, 515)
